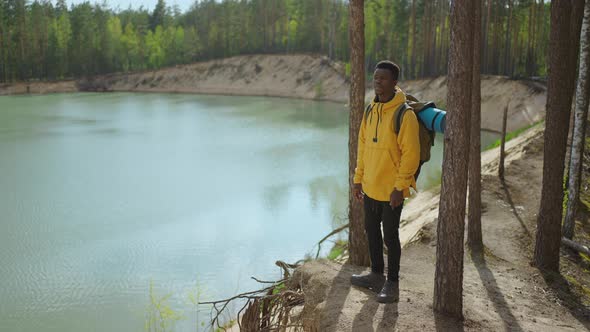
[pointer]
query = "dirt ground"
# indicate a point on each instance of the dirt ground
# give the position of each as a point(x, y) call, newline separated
point(526, 99)
point(501, 291)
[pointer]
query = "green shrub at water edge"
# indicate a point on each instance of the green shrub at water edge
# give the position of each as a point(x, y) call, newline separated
point(338, 249)
point(160, 315)
point(512, 135)
point(319, 90)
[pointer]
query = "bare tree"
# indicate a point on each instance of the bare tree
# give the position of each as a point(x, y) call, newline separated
point(507, 67)
point(357, 241)
point(474, 237)
point(486, 35)
point(503, 143)
point(581, 115)
point(414, 36)
point(563, 39)
point(448, 280)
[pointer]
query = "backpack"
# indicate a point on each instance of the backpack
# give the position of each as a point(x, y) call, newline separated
point(427, 136)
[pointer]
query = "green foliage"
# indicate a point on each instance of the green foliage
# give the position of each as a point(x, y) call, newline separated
point(41, 41)
point(347, 70)
point(566, 197)
point(160, 315)
point(279, 288)
point(226, 326)
point(512, 135)
point(158, 17)
point(338, 249)
point(319, 89)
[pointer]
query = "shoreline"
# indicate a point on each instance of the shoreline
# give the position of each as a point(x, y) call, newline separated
point(298, 76)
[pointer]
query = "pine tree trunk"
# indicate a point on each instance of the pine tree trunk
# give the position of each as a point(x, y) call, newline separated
point(332, 31)
point(494, 48)
point(515, 53)
point(414, 35)
point(386, 36)
point(486, 38)
point(530, 44)
point(534, 41)
point(22, 38)
point(581, 115)
point(560, 88)
point(443, 44)
point(474, 237)
point(507, 44)
point(437, 39)
point(357, 240)
point(448, 281)
point(425, 41)
point(2, 53)
point(503, 144)
point(544, 38)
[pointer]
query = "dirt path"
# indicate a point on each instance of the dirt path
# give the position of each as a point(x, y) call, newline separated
point(501, 290)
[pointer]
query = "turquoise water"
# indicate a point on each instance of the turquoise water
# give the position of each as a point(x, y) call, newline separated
point(105, 194)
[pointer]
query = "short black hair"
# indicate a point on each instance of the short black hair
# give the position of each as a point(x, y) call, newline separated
point(386, 64)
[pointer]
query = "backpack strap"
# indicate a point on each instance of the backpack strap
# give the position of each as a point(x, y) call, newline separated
point(399, 115)
point(367, 111)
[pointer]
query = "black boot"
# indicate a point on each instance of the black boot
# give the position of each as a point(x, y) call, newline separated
point(373, 281)
point(389, 293)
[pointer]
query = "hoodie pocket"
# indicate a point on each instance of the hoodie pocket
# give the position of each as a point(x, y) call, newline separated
point(379, 165)
point(394, 161)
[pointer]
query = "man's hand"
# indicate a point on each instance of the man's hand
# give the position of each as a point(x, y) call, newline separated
point(396, 198)
point(357, 191)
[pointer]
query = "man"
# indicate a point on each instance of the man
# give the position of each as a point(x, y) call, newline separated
point(386, 165)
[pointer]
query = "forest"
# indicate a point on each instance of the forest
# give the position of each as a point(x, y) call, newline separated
point(46, 40)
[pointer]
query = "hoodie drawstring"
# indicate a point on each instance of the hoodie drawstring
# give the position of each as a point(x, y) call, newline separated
point(379, 115)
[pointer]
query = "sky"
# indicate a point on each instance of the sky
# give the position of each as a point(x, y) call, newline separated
point(124, 4)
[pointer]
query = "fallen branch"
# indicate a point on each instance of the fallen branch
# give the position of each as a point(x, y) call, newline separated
point(575, 246)
point(336, 231)
point(266, 282)
point(265, 309)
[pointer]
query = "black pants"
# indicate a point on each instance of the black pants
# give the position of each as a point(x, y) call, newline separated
point(375, 212)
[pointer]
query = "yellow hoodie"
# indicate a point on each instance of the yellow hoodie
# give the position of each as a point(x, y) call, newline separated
point(385, 160)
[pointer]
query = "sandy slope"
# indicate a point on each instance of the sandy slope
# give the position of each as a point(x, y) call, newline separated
point(526, 99)
point(298, 76)
point(501, 290)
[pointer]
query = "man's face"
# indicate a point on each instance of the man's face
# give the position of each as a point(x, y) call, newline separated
point(383, 81)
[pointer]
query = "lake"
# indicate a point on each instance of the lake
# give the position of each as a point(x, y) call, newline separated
point(104, 195)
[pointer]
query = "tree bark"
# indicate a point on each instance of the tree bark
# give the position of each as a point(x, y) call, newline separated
point(448, 283)
point(515, 47)
point(444, 40)
point(357, 240)
point(507, 41)
point(486, 38)
point(560, 87)
point(579, 134)
point(503, 144)
point(425, 40)
point(495, 49)
point(533, 40)
point(474, 236)
point(413, 35)
point(529, 56)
